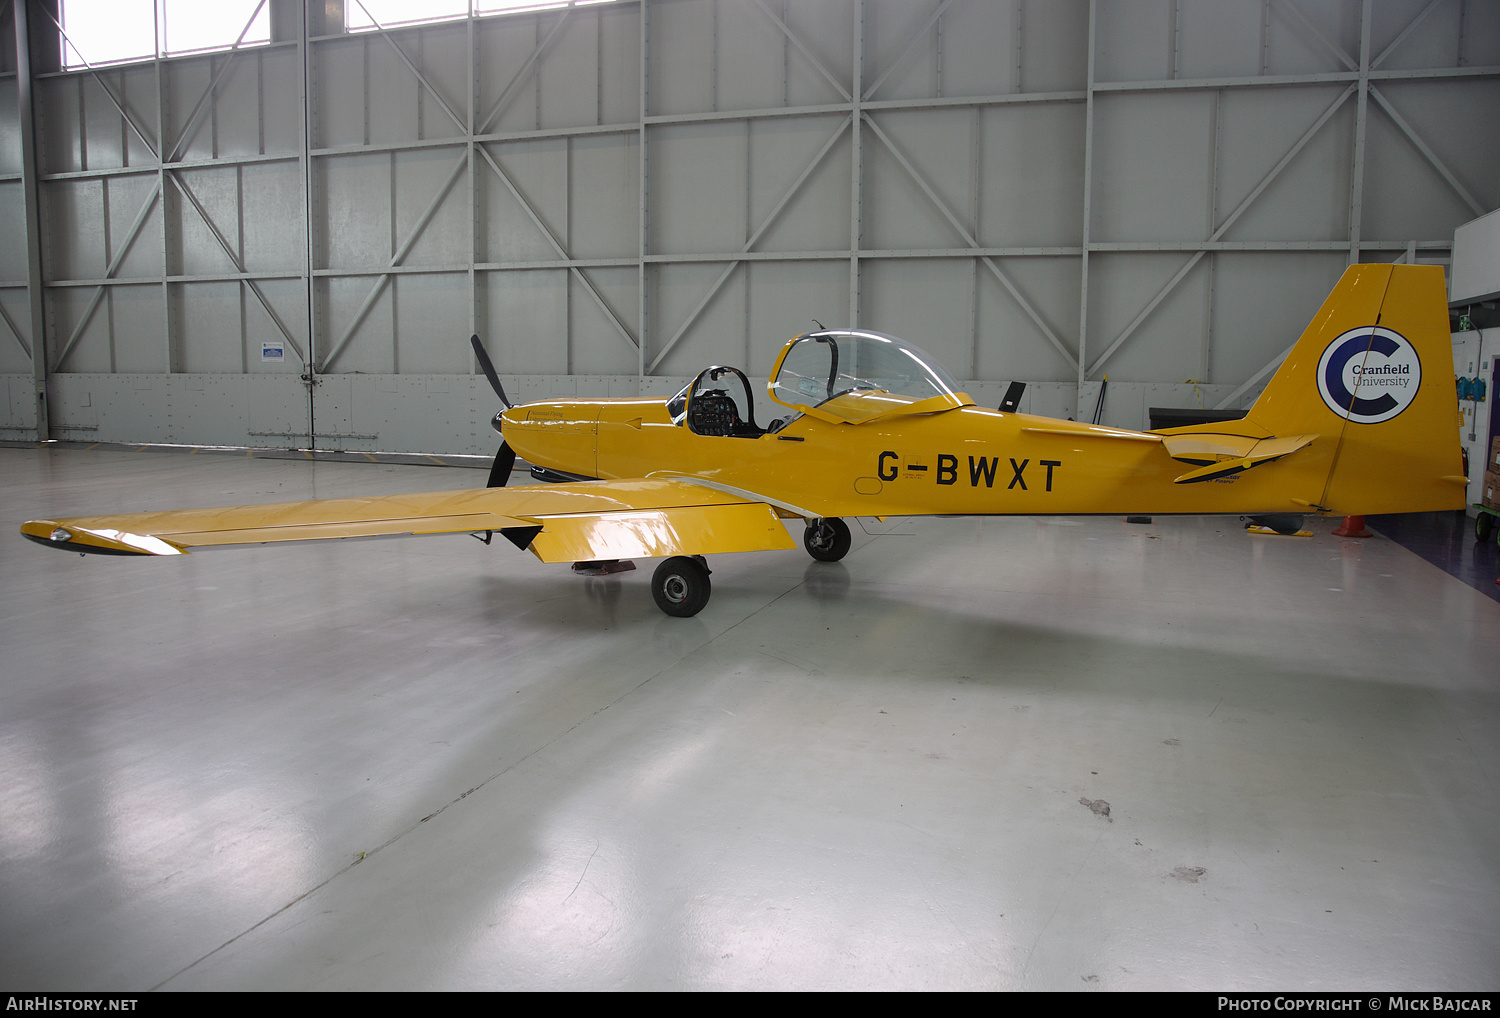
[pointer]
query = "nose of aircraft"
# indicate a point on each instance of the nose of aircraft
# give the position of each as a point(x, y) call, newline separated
point(507, 416)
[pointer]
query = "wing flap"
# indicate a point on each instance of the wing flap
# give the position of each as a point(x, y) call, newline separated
point(656, 533)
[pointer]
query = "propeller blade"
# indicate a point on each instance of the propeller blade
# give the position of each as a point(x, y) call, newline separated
point(500, 471)
point(489, 372)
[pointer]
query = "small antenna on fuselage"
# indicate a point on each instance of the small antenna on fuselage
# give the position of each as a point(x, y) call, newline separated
point(818, 324)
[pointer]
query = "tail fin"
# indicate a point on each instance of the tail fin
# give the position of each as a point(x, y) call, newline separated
point(1370, 377)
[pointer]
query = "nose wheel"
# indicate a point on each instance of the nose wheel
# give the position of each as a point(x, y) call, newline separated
point(827, 540)
point(680, 586)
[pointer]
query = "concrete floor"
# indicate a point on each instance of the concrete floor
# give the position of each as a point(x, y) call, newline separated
point(427, 764)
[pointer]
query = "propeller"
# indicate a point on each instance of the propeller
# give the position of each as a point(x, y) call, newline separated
point(505, 458)
point(489, 371)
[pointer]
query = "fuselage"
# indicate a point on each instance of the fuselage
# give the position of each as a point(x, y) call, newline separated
point(964, 460)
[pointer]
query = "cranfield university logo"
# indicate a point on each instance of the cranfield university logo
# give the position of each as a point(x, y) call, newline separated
point(1369, 374)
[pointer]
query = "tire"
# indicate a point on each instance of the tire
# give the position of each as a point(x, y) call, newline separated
point(681, 586)
point(1482, 526)
point(828, 539)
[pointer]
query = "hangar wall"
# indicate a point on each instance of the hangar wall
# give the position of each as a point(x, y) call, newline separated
point(616, 194)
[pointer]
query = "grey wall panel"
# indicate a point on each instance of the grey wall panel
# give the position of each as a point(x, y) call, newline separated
point(234, 115)
point(441, 54)
point(288, 299)
point(538, 170)
point(1217, 38)
point(273, 235)
point(432, 323)
point(597, 345)
point(217, 190)
point(1054, 45)
point(681, 53)
point(419, 179)
point(13, 356)
point(568, 80)
point(1120, 285)
point(926, 300)
point(13, 228)
point(1030, 174)
point(826, 29)
point(370, 348)
point(207, 334)
point(1138, 195)
point(505, 45)
point(73, 213)
point(889, 26)
point(896, 211)
point(816, 217)
point(10, 134)
point(1404, 191)
point(58, 120)
point(979, 49)
point(619, 63)
point(355, 199)
point(698, 187)
point(940, 145)
point(125, 197)
point(525, 313)
point(1309, 200)
point(1134, 40)
point(184, 84)
point(752, 61)
point(104, 139)
point(281, 99)
point(391, 93)
point(138, 328)
point(340, 96)
point(18, 407)
point(135, 87)
point(1292, 49)
point(604, 215)
point(716, 336)
point(1009, 344)
point(785, 297)
point(1261, 305)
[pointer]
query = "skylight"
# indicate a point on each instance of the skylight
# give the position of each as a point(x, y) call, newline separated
point(96, 32)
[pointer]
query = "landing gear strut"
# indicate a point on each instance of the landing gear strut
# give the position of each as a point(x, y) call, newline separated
point(827, 539)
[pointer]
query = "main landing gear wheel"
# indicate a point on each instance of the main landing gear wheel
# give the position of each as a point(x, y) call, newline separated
point(827, 540)
point(1482, 524)
point(680, 586)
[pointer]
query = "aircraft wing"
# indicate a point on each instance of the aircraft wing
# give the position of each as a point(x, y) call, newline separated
point(582, 521)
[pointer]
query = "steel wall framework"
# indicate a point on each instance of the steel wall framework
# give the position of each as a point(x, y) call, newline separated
point(1158, 191)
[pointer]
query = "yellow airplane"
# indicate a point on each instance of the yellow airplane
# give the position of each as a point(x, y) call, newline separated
point(873, 426)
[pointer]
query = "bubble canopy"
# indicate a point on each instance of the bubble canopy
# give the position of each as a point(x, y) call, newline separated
point(817, 367)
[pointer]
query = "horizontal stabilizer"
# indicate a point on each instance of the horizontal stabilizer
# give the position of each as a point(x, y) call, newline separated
point(1266, 450)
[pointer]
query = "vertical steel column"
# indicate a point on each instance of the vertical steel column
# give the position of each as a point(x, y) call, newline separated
point(474, 227)
point(642, 335)
point(167, 202)
point(31, 199)
point(1088, 202)
point(309, 376)
point(856, 160)
point(1357, 176)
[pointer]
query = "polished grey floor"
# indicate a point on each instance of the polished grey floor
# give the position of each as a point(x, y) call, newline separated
point(425, 763)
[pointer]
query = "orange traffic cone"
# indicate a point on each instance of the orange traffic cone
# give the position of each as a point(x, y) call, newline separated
point(1354, 526)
